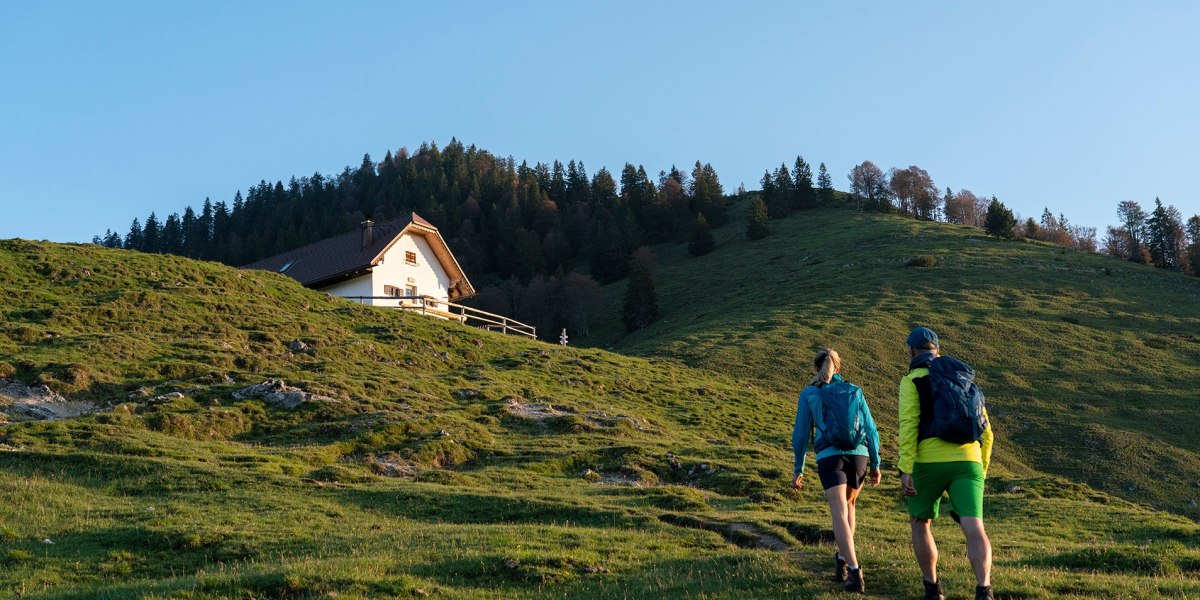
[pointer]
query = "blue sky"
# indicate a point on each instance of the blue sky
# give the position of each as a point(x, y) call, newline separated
point(111, 110)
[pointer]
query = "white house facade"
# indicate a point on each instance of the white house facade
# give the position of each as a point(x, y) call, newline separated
point(381, 264)
point(408, 269)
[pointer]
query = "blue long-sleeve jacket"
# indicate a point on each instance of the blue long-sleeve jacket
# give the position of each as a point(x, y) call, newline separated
point(808, 414)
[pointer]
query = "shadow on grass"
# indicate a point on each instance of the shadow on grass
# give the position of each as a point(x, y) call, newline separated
point(447, 506)
point(126, 475)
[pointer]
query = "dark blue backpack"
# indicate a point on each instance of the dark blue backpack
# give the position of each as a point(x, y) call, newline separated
point(843, 421)
point(957, 402)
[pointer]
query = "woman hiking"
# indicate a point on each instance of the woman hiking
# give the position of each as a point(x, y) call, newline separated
point(846, 441)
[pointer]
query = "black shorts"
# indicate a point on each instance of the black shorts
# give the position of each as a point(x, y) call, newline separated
point(842, 469)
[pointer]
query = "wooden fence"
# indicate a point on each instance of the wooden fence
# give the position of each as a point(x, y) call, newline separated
point(428, 305)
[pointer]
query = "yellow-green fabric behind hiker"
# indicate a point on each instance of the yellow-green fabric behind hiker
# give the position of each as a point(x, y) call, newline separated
point(933, 450)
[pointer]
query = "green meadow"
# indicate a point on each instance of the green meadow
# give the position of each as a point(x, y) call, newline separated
point(435, 460)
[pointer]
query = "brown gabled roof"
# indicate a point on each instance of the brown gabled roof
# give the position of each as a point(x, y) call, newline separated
point(342, 257)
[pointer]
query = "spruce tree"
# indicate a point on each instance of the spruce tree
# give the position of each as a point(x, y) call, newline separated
point(824, 185)
point(767, 184)
point(806, 195)
point(785, 193)
point(701, 241)
point(1165, 236)
point(1032, 230)
point(757, 229)
point(151, 233)
point(134, 239)
point(641, 301)
point(112, 239)
point(1000, 221)
point(172, 235)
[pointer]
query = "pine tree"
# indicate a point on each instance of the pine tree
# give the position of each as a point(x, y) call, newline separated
point(1165, 236)
point(641, 301)
point(708, 196)
point(701, 241)
point(805, 195)
point(151, 233)
point(783, 199)
point(757, 229)
point(824, 185)
point(112, 239)
point(134, 239)
point(1000, 221)
point(769, 192)
point(1032, 231)
point(172, 235)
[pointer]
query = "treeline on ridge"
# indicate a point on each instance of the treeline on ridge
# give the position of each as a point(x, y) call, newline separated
point(524, 232)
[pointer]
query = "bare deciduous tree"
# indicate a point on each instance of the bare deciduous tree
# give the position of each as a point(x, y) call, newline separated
point(868, 184)
point(914, 192)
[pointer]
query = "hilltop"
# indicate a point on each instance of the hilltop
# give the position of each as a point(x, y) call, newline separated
point(433, 459)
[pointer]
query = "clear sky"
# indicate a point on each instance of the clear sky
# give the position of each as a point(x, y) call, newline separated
point(110, 110)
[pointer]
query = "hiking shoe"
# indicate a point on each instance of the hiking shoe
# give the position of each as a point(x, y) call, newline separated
point(984, 592)
point(933, 591)
point(839, 568)
point(854, 581)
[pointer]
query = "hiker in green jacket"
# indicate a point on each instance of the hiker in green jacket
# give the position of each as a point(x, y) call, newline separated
point(846, 440)
point(930, 464)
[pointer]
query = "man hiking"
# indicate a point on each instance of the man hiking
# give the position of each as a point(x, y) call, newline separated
point(945, 446)
point(846, 441)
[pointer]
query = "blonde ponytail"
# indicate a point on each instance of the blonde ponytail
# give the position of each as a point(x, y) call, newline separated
point(827, 362)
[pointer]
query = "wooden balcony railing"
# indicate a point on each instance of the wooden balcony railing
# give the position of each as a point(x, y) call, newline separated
point(428, 305)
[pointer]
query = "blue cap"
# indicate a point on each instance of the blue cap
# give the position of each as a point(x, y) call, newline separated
point(922, 338)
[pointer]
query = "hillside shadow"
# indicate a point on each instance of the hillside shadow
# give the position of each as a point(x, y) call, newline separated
point(475, 508)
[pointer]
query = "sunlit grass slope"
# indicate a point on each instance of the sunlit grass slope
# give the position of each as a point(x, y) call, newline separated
point(1090, 364)
point(444, 461)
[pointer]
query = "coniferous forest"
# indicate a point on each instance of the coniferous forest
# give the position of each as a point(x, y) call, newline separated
point(519, 230)
point(538, 241)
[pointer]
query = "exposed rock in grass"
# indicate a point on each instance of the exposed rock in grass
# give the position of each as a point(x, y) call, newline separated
point(611, 478)
point(535, 412)
point(167, 397)
point(390, 465)
point(39, 402)
point(299, 346)
point(547, 414)
point(279, 394)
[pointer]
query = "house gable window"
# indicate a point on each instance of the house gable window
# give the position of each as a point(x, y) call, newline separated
point(410, 258)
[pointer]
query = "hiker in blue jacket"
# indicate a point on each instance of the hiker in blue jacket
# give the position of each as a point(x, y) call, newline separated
point(845, 441)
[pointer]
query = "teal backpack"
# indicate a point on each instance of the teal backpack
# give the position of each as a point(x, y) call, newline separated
point(843, 417)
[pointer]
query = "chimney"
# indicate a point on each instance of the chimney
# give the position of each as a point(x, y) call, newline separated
point(368, 234)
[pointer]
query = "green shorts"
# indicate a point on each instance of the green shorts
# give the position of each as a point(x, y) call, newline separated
point(962, 480)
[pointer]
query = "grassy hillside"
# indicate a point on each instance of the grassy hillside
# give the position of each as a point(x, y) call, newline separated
point(436, 460)
point(1089, 364)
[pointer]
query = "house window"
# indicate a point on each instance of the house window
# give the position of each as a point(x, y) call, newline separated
point(391, 290)
point(410, 290)
point(410, 258)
